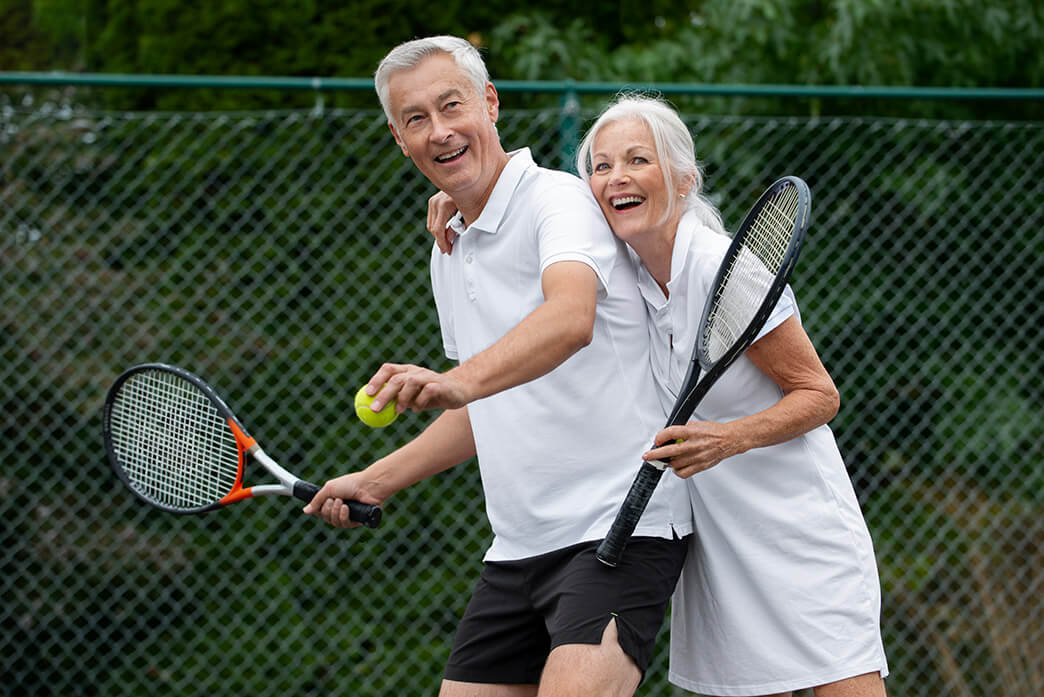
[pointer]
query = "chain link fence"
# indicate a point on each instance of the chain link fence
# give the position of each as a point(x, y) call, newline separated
point(282, 256)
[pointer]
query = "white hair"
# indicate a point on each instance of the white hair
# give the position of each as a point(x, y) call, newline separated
point(674, 149)
point(408, 55)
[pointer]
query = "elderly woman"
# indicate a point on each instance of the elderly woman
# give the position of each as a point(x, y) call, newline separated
point(780, 591)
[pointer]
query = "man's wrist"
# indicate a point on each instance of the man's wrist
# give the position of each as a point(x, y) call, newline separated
point(463, 376)
point(377, 480)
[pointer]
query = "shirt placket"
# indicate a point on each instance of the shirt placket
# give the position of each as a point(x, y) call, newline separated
point(665, 327)
point(468, 249)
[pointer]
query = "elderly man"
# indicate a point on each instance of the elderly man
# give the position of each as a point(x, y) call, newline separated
point(552, 390)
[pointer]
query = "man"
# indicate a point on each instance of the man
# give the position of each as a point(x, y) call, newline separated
point(552, 391)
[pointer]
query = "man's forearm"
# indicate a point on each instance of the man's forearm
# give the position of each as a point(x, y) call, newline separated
point(562, 325)
point(446, 442)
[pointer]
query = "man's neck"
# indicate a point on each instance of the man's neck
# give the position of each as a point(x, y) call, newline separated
point(470, 206)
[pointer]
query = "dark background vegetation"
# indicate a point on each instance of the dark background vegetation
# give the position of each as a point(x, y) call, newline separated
point(958, 43)
point(228, 230)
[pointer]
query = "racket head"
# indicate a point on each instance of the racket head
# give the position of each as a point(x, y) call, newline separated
point(172, 440)
point(754, 272)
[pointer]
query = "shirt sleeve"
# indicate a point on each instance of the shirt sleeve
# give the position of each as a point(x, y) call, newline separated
point(785, 307)
point(570, 227)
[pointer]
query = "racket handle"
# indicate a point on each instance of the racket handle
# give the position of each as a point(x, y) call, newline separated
point(365, 513)
point(611, 550)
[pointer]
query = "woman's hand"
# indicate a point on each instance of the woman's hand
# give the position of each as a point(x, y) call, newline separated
point(440, 209)
point(809, 400)
point(694, 447)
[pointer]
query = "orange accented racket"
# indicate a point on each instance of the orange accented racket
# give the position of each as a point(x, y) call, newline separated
point(177, 446)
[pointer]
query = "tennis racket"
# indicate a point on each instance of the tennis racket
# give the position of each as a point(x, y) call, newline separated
point(177, 446)
point(747, 287)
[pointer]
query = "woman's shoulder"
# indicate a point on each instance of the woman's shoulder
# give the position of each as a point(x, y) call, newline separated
point(705, 247)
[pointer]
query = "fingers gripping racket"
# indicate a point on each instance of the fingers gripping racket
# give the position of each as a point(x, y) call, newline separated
point(747, 287)
point(176, 445)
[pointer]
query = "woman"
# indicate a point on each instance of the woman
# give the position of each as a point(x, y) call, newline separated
point(780, 589)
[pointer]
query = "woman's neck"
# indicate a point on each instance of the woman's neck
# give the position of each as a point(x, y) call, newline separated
point(655, 248)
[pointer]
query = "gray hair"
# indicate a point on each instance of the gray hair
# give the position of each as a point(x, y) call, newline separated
point(674, 148)
point(408, 55)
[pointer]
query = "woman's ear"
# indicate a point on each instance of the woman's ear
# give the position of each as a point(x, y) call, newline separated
point(686, 185)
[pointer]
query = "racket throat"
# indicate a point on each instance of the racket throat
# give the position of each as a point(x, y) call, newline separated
point(237, 495)
point(286, 480)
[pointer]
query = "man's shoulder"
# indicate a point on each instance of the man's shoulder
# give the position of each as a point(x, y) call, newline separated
point(548, 193)
point(556, 181)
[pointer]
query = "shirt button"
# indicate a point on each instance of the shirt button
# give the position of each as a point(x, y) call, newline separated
point(468, 259)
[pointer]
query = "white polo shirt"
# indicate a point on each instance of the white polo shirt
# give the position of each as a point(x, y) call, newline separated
point(557, 454)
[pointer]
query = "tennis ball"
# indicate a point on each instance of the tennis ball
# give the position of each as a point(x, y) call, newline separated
point(376, 419)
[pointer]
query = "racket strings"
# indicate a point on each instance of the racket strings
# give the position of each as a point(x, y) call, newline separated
point(171, 441)
point(752, 272)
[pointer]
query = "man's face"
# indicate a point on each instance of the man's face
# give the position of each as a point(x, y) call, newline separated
point(445, 127)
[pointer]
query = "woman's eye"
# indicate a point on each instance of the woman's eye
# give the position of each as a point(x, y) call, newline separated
point(601, 167)
point(639, 160)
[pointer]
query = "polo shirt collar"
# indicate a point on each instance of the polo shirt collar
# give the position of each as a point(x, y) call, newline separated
point(492, 214)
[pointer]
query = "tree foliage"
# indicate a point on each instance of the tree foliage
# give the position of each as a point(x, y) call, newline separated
point(843, 42)
point(832, 42)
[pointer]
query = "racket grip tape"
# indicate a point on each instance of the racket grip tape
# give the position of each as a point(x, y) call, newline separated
point(365, 513)
point(611, 549)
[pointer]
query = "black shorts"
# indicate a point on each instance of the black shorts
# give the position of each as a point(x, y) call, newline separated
point(523, 609)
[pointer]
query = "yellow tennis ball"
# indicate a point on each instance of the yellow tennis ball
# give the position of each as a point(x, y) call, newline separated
point(376, 419)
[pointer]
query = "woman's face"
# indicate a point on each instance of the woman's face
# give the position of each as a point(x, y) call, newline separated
point(627, 180)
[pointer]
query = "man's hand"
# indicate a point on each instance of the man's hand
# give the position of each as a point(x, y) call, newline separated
point(417, 388)
point(329, 502)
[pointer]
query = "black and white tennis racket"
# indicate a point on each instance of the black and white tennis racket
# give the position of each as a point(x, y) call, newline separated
point(177, 446)
point(747, 287)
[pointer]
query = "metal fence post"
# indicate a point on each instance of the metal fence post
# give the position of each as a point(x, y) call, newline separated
point(569, 128)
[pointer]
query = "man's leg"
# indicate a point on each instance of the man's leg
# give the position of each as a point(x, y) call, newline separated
point(501, 644)
point(452, 688)
point(603, 621)
point(590, 670)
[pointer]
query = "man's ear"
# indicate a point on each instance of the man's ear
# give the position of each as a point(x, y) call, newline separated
point(492, 102)
point(398, 140)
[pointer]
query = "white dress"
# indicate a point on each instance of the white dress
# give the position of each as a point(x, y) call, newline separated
point(780, 590)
